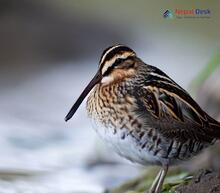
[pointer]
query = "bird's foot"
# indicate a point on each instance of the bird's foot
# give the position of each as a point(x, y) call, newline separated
point(154, 191)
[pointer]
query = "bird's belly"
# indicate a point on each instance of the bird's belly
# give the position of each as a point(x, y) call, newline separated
point(126, 145)
point(145, 151)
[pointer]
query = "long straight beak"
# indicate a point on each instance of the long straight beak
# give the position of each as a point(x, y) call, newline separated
point(96, 79)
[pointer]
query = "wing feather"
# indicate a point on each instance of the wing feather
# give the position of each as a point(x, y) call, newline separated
point(173, 112)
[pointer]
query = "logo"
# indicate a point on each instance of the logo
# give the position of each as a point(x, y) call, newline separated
point(187, 13)
point(168, 14)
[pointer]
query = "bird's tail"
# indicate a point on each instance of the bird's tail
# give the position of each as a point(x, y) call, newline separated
point(215, 127)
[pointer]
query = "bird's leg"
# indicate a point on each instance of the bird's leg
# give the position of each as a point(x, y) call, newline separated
point(155, 182)
point(161, 179)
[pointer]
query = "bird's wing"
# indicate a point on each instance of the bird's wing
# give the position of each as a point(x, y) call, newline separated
point(172, 110)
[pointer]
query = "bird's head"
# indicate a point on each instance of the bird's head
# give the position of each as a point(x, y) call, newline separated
point(117, 63)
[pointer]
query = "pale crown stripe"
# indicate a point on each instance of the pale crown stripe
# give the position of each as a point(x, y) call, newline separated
point(103, 57)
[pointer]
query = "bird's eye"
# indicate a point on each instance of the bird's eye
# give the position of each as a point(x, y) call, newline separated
point(118, 60)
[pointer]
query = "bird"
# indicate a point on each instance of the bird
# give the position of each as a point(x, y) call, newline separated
point(143, 114)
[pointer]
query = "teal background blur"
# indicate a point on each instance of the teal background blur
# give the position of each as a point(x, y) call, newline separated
point(49, 50)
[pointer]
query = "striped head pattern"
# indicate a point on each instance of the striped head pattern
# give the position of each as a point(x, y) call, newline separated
point(117, 62)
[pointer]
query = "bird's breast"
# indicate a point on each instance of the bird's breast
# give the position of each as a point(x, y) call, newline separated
point(111, 106)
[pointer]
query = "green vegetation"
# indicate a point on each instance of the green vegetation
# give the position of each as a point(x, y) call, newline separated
point(211, 66)
point(143, 183)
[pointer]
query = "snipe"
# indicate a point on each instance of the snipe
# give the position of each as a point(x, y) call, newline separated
point(143, 114)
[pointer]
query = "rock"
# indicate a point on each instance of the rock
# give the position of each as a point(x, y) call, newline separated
point(204, 181)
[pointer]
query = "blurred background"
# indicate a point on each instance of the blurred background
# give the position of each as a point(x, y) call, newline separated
point(49, 50)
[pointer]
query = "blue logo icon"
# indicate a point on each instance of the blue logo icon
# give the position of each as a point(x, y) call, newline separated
point(168, 14)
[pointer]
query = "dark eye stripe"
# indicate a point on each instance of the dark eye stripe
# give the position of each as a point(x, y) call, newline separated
point(117, 62)
point(112, 53)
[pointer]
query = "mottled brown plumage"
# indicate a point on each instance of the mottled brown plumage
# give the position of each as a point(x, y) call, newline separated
point(143, 114)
